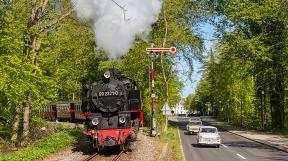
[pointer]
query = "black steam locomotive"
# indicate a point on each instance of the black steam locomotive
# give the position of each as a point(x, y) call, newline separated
point(112, 107)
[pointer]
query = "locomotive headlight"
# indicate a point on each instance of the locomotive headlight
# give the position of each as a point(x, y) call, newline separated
point(95, 121)
point(122, 119)
point(107, 74)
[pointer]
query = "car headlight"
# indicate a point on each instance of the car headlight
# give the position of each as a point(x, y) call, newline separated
point(122, 119)
point(95, 121)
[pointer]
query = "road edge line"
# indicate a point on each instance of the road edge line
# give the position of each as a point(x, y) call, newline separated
point(181, 147)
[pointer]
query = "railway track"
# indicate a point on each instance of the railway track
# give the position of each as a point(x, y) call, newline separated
point(93, 156)
point(118, 156)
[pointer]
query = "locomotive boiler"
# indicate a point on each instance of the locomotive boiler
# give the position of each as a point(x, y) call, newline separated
point(112, 107)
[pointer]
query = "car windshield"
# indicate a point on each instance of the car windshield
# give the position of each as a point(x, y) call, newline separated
point(194, 118)
point(195, 123)
point(208, 130)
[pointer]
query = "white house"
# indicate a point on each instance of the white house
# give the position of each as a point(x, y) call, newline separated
point(179, 109)
point(166, 109)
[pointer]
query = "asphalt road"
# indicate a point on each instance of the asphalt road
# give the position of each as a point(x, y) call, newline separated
point(233, 148)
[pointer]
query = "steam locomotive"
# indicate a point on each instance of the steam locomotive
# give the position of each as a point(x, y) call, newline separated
point(112, 107)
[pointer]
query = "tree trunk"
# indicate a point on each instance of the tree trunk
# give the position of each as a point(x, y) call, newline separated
point(276, 40)
point(26, 118)
point(166, 92)
point(15, 125)
point(277, 102)
point(32, 49)
point(163, 69)
point(26, 121)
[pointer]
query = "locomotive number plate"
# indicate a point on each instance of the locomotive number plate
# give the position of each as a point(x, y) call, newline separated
point(109, 93)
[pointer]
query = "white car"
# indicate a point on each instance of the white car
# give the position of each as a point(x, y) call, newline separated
point(195, 119)
point(193, 126)
point(208, 135)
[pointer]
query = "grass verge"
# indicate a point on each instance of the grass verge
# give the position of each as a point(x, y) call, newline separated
point(173, 138)
point(283, 132)
point(45, 146)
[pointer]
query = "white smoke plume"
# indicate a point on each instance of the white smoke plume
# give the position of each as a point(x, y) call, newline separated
point(116, 23)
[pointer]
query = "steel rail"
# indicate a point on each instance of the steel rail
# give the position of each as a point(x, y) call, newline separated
point(118, 156)
point(90, 157)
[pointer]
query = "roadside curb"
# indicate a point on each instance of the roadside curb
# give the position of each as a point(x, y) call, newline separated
point(278, 147)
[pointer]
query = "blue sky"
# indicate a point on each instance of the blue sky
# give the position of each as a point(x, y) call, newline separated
point(206, 30)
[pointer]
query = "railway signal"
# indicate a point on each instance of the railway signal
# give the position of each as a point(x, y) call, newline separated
point(153, 55)
point(172, 49)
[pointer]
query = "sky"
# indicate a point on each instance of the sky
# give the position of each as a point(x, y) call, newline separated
point(206, 30)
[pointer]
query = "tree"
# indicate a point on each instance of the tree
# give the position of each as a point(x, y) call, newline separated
point(30, 76)
point(172, 29)
point(251, 50)
point(188, 101)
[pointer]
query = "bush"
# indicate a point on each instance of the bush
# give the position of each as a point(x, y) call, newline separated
point(46, 146)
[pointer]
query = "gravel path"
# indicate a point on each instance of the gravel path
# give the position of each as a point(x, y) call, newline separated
point(146, 149)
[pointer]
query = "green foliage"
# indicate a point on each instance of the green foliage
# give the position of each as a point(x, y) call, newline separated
point(188, 101)
point(66, 58)
point(250, 58)
point(181, 17)
point(45, 147)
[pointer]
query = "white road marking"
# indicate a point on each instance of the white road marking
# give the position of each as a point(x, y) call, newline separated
point(181, 147)
point(224, 145)
point(241, 156)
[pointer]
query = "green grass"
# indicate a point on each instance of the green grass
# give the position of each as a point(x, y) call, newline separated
point(283, 132)
point(44, 147)
point(173, 138)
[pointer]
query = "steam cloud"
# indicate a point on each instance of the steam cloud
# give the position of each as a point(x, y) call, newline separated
point(116, 23)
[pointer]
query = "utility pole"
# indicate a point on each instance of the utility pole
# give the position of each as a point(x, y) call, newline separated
point(262, 109)
point(241, 109)
point(228, 110)
point(220, 106)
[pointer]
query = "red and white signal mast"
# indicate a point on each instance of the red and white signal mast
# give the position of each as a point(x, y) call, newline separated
point(153, 55)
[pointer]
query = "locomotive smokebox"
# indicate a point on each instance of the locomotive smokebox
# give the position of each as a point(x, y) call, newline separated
point(114, 108)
